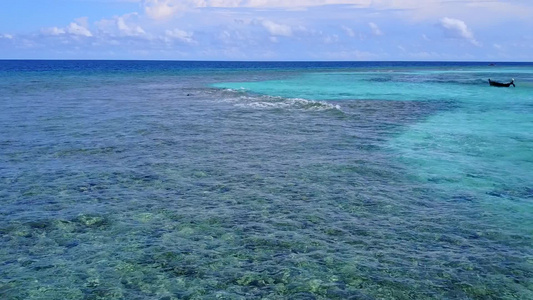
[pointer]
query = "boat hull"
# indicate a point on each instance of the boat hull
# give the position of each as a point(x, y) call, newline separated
point(500, 84)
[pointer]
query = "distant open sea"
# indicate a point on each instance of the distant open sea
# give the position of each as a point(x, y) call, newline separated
point(265, 180)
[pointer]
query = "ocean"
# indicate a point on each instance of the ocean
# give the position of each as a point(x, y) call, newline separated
point(265, 180)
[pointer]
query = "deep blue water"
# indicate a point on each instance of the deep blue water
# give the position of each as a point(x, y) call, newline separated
point(274, 180)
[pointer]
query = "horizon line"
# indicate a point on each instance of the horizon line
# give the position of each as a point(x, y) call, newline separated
point(262, 61)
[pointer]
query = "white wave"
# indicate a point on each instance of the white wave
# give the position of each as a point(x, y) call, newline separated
point(241, 99)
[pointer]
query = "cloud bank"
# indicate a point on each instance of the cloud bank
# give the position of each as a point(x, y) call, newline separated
point(285, 30)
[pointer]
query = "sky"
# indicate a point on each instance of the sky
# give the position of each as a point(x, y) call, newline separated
point(268, 30)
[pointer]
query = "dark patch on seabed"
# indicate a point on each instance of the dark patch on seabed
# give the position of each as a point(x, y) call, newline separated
point(397, 113)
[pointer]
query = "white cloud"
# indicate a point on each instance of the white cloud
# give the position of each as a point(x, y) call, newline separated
point(53, 31)
point(127, 29)
point(349, 32)
point(161, 9)
point(225, 36)
point(456, 28)
point(84, 22)
point(293, 3)
point(277, 29)
point(232, 36)
point(331, 39)
point(375, 29)
point(166, 9)
point(167, 5)
point(77, 28)
point(177, 34)
point(6, 36)
point(269, 3)
point(121, 26)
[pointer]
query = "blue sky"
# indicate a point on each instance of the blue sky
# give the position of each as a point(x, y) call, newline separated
point(467, 30)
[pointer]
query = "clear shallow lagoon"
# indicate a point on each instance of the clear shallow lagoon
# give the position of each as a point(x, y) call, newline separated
point(203, 180)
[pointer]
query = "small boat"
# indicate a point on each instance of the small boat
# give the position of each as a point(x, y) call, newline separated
point(500, 84)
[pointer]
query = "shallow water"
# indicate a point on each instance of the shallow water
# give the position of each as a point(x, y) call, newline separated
point(191, 180)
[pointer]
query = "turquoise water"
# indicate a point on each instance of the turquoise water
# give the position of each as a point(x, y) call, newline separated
point(203, 180)
point(480, 147)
